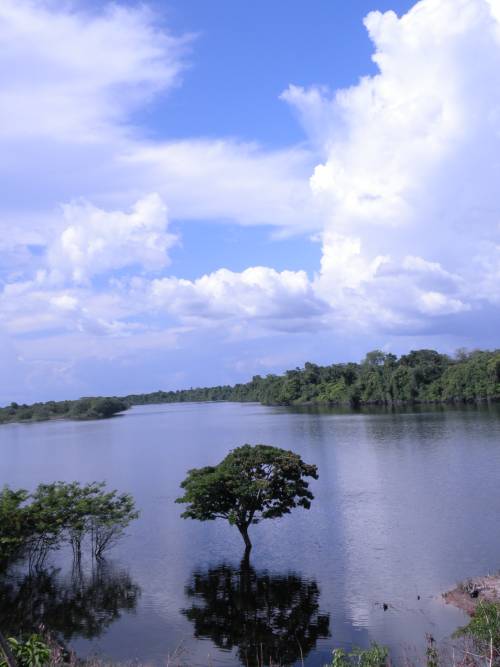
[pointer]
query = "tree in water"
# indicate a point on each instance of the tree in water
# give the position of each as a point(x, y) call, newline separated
point(252, 483)
point(269, 618)
point(33, 525)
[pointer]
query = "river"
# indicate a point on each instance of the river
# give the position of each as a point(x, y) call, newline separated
point(407, 503)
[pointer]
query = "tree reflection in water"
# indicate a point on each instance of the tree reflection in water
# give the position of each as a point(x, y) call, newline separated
point(79, 605)
point(269, 618)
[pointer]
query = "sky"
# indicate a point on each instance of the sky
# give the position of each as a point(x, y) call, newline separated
point(195, 192)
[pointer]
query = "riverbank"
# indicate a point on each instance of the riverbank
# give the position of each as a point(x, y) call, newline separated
point(468, 594)
point(82, 409)
point(381, 379)
point(420, 378)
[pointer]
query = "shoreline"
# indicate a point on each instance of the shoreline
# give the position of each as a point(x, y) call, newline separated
point(469, 593)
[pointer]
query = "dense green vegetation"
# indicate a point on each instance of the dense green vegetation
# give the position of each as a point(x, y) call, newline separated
point(421, 376)
point(375, 656)
point(83, 408)
point(248, 485)
point(484, 630)
point(32, 525)
point(30, 652)
point(33, 651)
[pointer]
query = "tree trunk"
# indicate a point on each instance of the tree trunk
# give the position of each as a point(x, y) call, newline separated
point(244, 534)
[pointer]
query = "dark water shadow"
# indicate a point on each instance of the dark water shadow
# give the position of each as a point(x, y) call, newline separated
point(80, 604)
point(268, 618)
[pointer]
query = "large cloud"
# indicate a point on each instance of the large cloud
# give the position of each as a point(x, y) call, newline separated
point(410, 183)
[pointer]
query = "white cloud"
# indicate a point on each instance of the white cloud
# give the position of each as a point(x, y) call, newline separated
point(64, 301)
point(72, 74)
point(32, 307)
point(254, 302)
point(435, 303)
point(72, 78)
point(282, 299)
point(95, 241)
point(412, 167)
point(228, 180)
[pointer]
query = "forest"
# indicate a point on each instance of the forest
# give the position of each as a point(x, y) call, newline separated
point(421, 376)
point(83, 408)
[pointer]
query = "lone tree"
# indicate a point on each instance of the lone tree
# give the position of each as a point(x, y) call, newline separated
point(250, 484)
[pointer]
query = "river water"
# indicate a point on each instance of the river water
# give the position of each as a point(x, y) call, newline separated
point(407, 504)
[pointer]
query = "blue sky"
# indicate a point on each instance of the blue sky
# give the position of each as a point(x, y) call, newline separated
point(244, 56)
point(195, 192)
point(247, 53)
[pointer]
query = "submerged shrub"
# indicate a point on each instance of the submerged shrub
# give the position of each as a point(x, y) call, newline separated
point(32, 525)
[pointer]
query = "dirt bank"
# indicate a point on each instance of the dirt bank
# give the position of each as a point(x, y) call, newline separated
point(470, 593)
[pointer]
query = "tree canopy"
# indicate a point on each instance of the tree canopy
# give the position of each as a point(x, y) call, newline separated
point(252, 483)
point(421, 376)
point(33, 524)
point(81, 409)
point(381, 378)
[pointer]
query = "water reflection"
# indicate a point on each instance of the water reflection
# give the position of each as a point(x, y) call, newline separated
point(82, 604)
point(269, 618)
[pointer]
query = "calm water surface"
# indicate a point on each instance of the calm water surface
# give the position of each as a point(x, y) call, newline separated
point(406, 505)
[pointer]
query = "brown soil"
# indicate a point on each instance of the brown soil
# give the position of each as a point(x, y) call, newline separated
point(468, 595)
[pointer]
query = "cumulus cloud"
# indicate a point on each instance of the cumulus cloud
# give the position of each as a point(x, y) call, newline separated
point(412, 165)
point(95, 241)
point(258, 293)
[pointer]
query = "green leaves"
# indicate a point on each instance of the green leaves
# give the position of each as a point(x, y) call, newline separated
point(380, 379)
point(13, 528)
point(484, 626)
point(32, 652)
point(250, 484)
point(83, 408)
point(375, 656)
point(32, 525)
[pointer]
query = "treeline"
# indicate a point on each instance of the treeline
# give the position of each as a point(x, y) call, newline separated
point(83, 408)
point(422, 376)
